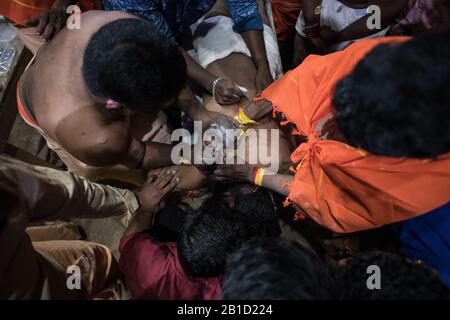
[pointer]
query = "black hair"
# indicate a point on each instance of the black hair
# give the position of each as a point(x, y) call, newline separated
point(276, 269)
point(130, 61)
point(400, 278)
point(396, 102)
point(207, 237)
point(258, 208)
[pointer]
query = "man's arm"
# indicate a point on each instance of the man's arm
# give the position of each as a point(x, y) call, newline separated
point(32, 194)
point(359, 29)
point(151, 197)
point(226, 92)
point(300, 50)
point(194, 109)
point(52, 21)
point(104, 145)
point(249, 24)
point(311, 11)
point(54, 194)
point(245, 172)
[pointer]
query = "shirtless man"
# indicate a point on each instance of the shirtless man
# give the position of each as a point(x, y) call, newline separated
point(242, 69)
point(103, 87)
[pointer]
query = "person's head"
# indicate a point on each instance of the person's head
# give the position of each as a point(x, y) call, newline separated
point(258, 208)
point(129, 61)
point(399, 278)
point(207, 237)
point(396, 102)
point(276, 269)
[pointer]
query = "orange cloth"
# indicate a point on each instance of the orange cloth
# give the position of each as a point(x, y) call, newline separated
point(343, 188)
point(285, 14)
point(20, 11)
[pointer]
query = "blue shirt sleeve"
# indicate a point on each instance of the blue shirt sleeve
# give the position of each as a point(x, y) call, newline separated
point(245, 15)
point(145, 9)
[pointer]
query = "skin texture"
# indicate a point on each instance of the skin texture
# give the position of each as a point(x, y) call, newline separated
point(94, 133)
point(151, 198)
point(65, 109)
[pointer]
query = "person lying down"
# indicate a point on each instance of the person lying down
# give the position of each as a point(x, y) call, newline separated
point(222, 52)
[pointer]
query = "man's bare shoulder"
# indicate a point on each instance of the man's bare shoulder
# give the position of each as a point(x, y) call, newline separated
point(99, 18)
point(92, 137)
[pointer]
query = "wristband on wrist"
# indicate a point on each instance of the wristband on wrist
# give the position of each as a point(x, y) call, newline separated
point(242, 118)
point(215, 83)
point(258, 175)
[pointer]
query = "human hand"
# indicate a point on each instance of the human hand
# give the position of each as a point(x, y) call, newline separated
point(227, 92)
point(258, 110)
point(157, 186)
point(319, 45)
point(49, 23)
point(328, 35)
point(263, 79)
point(234, 172)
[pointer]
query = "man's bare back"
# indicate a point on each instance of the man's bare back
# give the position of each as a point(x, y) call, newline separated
point(55, 92)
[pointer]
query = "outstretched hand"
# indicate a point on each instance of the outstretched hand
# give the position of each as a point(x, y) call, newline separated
point(49, 23)
point(258, 110)
point(263, 79)
point(157, 186)
point(234, 172)
point(151, 198)
point(227, 92)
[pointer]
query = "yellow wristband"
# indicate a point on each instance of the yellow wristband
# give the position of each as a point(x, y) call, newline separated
point(242, 118)
point(259, 175)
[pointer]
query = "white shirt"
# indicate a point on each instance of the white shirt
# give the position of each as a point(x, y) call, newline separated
point(338, 16)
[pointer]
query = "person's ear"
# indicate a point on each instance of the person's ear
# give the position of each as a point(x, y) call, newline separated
point(112, 105)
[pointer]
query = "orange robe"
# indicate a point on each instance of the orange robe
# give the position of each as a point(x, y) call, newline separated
point(20, 11)
point(285, 14)
point(343, 188)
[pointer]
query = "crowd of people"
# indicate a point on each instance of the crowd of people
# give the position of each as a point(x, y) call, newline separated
point(357, 91)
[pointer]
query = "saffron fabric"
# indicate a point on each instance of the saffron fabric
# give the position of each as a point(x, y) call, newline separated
point(341, 187)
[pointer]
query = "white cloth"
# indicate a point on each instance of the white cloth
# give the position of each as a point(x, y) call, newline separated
point(338, 16)
point(215, 38)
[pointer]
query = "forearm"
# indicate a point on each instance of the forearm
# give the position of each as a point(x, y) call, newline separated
point(278, 183)
point(310, 11)
point(300, 51)
point(254, 40)
point(156, 155)
point(275, 182)
point(197, 73)
point(54, 194)
point(190, 105)
point(359, 29)
point(140, 223)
